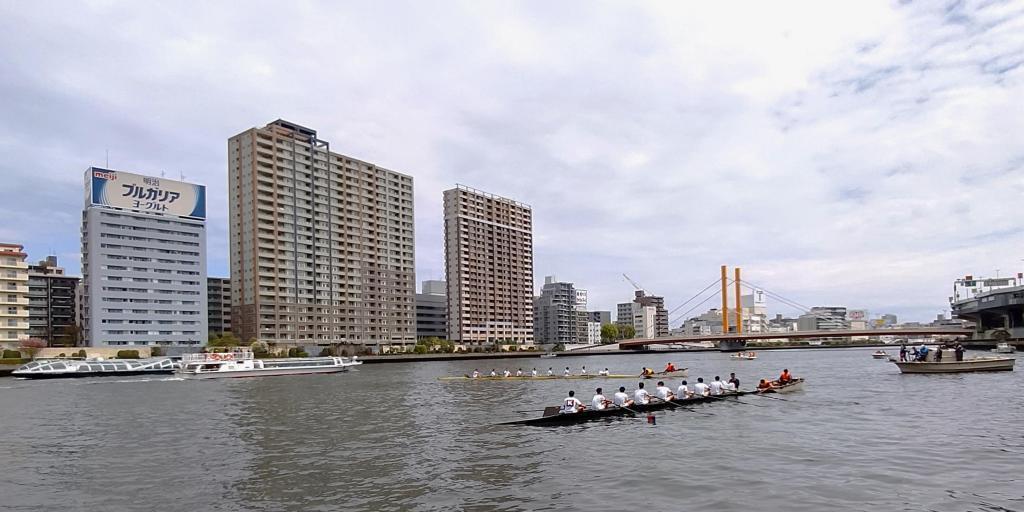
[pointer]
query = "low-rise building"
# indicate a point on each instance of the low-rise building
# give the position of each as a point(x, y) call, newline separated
point(431, 310)
point(14, 316)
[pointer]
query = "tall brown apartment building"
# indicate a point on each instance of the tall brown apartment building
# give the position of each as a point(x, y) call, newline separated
point(321, 243)
point(489, 266)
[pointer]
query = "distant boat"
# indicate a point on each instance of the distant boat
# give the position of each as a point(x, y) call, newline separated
point(750, 356)
point(240, 363)
point(880, 354)
point(69, 368)
point(1004, 348)
point(549, 354)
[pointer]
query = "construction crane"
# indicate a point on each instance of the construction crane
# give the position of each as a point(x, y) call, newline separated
point(634, 283)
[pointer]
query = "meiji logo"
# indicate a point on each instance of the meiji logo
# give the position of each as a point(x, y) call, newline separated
point(105, 175)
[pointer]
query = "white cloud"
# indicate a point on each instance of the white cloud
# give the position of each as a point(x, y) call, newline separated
point(863, 154)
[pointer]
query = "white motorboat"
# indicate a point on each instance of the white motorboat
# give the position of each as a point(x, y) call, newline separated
point(750, 356)
point(241, 363)
point(69, 368)
point(880, 354)
point(949, 364)
point(1004, 348)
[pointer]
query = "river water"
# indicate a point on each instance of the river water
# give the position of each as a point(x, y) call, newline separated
point(860, 436)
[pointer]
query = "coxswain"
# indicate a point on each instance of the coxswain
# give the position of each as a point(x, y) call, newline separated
point(734, 382)
point(476, 374)
point(716, 386)
point(506, 373)
point(583, 371)
point(571, 405)
point(701, 389)
point(785, 378)
point(621, 399)
point(683, 391)
point(604, 373)
point(534, 372)
point(600, 402)
point(519, 372)
point(494, 373)
point(663, 392)
point(669, 368)
point(764, 385)
point(566, 373)
point(641, 396)
point(551, 372)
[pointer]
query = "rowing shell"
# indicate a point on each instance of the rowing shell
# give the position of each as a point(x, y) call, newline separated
point(540, 377)
point(794, 385)
point(612, 411)
point(682, 372)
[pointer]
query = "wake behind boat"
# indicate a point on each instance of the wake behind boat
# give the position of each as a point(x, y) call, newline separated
point(241, 363)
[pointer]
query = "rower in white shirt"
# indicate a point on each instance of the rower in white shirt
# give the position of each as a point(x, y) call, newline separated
point(621, 399)
point(604, 373)
point(571, 405)
point(551, 372)
point(728, 387)
point(519, 372)
point(534, 373)
point(476, 374)
point(506, 373)
point(701, 389)
point(583, 371)
point(566, 372)
point(683, 391)
point(716, 386)
point(663, 392)
point(494, 373)
point(599, 402)
point(641, 396)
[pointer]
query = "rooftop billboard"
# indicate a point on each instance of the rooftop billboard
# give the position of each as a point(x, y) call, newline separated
point(147, 194)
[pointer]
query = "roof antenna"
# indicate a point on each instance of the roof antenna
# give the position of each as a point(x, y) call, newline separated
point(108, 158)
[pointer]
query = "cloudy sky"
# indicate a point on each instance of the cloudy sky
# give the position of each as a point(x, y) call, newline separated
point(862, 154)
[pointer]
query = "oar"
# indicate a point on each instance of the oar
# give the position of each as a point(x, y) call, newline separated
point(721, 397)
point(763, 395)
point(531, 410)
point(669, 402)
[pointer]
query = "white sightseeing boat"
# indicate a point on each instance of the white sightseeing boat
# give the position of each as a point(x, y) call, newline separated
point(70, 368)
point(1004, 348)
point(241, 363)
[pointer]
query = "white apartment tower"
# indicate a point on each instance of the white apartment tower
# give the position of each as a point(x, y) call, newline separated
point(14, 314)
point(489, 265)
point(143, 261)
point(321, 243)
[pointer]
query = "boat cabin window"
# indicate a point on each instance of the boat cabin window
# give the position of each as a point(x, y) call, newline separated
point(58, 366)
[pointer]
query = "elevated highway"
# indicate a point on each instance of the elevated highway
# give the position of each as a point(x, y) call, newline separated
point(738, 341)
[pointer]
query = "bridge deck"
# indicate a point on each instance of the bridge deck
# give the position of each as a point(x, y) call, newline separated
point(915, 331)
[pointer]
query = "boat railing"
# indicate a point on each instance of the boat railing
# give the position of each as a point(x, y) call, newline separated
point(203, 357)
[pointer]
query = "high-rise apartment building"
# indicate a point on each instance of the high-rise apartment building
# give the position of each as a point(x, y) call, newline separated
point(432, 311)
point(14, 324)
point(489, 266)
point(218, 305)
point(51, 304)
point(143, 261)
point(321, 243)
point(556, 318)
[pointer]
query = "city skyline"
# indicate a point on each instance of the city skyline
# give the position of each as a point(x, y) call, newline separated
point(857, 154)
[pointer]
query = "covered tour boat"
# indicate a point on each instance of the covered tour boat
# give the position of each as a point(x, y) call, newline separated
point(76, 368)
point(241, 363)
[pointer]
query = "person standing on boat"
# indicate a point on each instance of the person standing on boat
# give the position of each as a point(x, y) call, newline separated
point(476, 374)
point(959, 351)
point(641, 396)
point(683, 391)
point(621, 399)
point(716, 386)
point(922, 353)
point(938, 355)
point(604, 373)
point(903, 353)
point(600, 402)
point(571, 405)
point(733, 382)
point(701, 389)
point(663, 392)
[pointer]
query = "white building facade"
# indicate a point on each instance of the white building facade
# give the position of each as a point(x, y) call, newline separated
point(143, 261)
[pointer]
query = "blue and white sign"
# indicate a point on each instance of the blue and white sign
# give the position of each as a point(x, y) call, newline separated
point(147, 194)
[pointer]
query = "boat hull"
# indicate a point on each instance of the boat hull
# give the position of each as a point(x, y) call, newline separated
point(880, 356)
point(266, 372)
point(79, 375)
point(668, 375)
point(795, 385)
point(539, 377)
point(611, 412)
point(992, 364)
